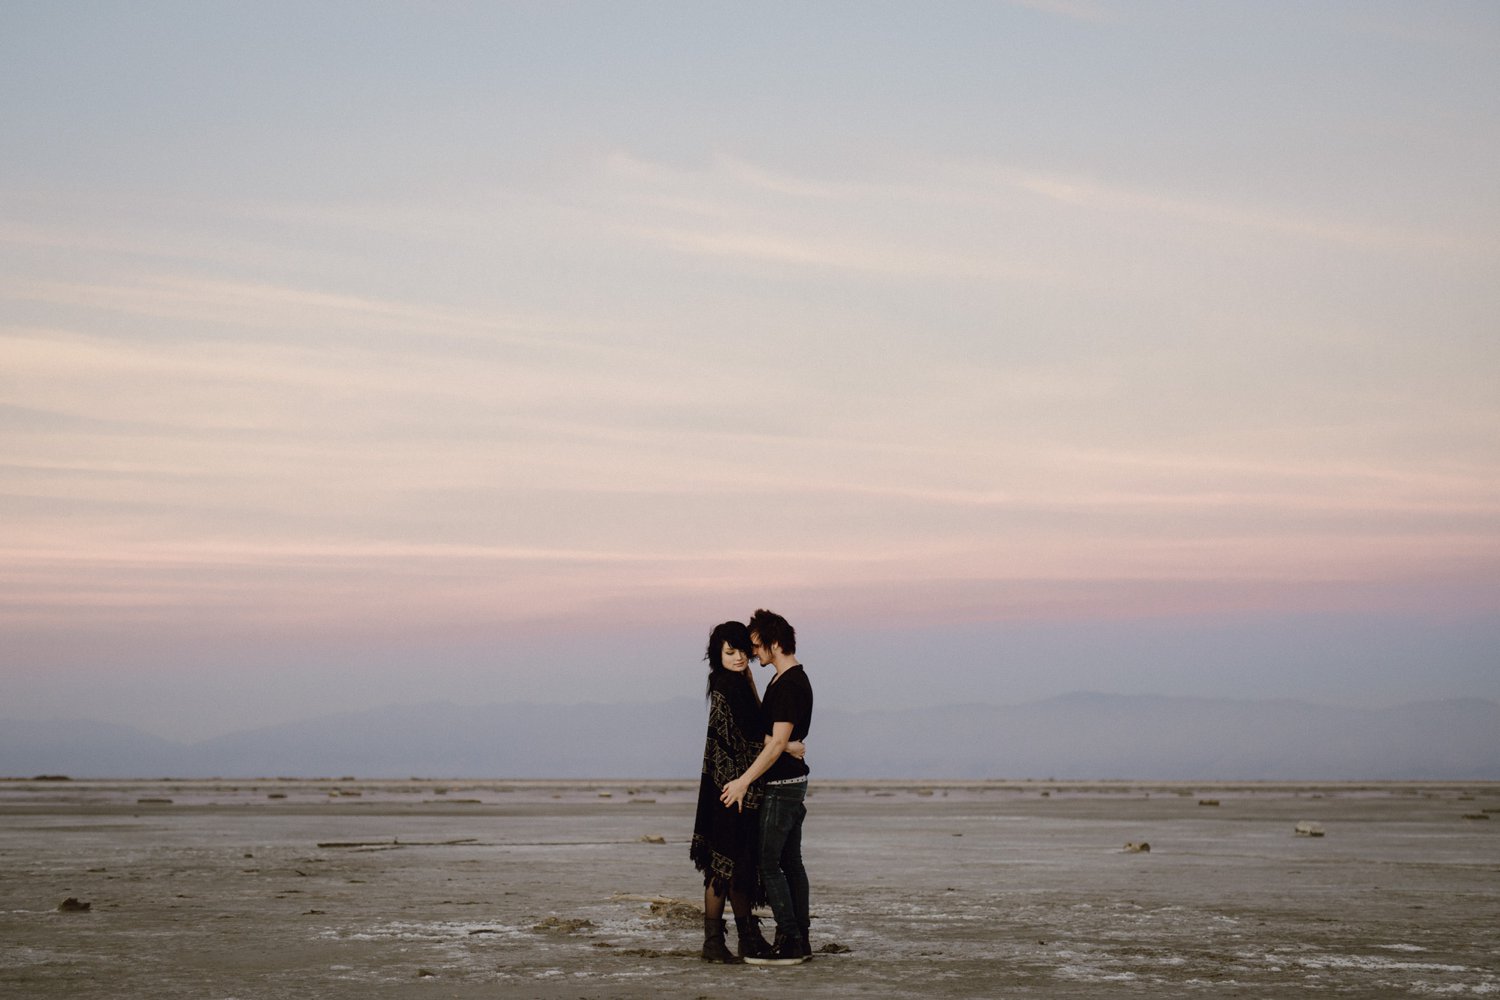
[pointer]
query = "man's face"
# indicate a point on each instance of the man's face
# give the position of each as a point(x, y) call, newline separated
point(762, 654)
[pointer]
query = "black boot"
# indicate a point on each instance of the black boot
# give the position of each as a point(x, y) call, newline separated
point(752, 943)
point(714, 948)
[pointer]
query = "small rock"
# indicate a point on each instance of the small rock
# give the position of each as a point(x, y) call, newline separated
point(833, 948)
point(1208, 802)
point(1307, 828)
point(73, 905)
point(651, 838)
point(425, 973)
point(1478, 815)
point(1137, 848)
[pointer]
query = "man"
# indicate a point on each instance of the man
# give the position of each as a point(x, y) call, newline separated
point(787, 707)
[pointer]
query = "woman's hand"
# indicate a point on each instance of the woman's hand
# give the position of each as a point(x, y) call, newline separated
point(797, 749)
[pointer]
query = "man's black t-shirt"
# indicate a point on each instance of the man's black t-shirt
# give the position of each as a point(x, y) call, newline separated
point(789, 698)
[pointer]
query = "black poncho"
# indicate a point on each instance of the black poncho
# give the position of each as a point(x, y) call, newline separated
point(725, 841)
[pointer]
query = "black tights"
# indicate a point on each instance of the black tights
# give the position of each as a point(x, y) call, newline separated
point(713, 904)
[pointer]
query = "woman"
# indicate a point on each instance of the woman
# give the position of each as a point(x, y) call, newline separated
point(725, 841)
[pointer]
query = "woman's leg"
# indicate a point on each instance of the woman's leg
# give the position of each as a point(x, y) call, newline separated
point(713, 904)
point(714, 947)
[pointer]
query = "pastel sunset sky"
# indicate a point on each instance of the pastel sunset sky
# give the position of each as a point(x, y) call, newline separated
point(357, 353)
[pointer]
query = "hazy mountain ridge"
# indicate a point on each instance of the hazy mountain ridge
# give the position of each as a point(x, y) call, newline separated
point(1084, 736)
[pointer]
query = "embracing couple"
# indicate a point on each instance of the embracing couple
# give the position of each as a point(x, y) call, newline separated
point(747, 838)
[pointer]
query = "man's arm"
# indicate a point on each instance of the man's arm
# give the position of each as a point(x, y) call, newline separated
point(734, 792)
point(796, 748)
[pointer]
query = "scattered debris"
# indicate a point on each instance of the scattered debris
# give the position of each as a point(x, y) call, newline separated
point(483, 930)
point(1479, 815)
point(276, 795)
point(606, 795)
point(679, 912)
point(426, 974)
point(667, 907)
point(659, 953)
point(643, 802)
point(357, 843)
point(74, 905)
point(388, 844)
point(1131, 847)
point(562, 925)
point(153, 802)
point(1307, 828)
point(833, 948)
point(651, 838)
point(1208, 802)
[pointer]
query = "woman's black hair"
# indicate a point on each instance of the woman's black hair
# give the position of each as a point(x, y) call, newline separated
point(738, 637)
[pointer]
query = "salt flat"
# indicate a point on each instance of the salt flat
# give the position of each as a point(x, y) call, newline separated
point(281, 888)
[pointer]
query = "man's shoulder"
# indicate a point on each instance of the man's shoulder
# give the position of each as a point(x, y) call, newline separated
point(795, 682)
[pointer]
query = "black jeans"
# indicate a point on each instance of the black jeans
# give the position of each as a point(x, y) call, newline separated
point(781, 871)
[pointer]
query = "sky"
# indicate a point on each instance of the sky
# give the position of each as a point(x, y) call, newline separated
point(369, 353)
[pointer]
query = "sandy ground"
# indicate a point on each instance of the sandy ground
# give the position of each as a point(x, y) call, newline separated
point(533, 889)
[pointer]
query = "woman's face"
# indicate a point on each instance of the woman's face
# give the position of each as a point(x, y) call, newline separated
point(733, 659)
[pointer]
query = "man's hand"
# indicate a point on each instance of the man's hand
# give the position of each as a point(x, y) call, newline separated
point(734, 793)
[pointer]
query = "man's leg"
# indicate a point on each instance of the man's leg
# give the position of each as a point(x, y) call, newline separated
point(779, 813)
point(796, 874)
point(776, 817)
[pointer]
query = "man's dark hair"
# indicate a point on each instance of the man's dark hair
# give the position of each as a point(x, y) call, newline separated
point(774, 630)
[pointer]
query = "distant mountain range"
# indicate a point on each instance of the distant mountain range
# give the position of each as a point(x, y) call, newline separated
point(1078, 736)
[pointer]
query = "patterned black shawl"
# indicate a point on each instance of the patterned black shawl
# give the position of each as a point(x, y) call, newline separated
point(725, 840)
